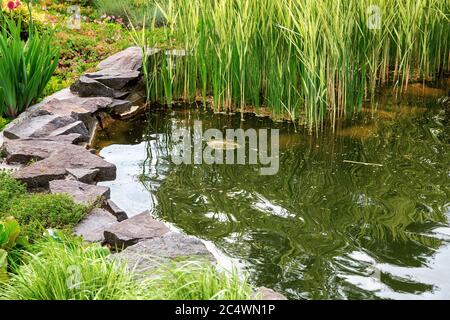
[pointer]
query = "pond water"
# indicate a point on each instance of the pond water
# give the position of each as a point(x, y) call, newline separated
point(323, 227)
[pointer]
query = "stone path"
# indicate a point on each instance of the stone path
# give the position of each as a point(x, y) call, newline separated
point(48, 149)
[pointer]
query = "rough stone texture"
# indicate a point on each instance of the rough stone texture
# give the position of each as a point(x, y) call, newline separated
point(39, 174)
point(148, 254)
point(84, 175)
point(114, 78)
point(128, 59)
point(81, 192)
point(131, 231)
point(87, 87)
point(77, 127)
point(37, 127)
point(268, 294)
point(93, 226)
point(134, 111)
point(25, 150)
point(112, 207)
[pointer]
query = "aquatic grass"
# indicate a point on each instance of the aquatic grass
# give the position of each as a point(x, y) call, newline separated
point(307, 60)
point(66, 269)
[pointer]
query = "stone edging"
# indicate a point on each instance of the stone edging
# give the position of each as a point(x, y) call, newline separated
point(47, 147)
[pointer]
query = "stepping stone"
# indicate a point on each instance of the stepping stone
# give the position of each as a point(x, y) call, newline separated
point(149, 254)
point(133, 230)
point(37, 127)
point(81, 192)
point(26, 150)
point(39, 174)
point(267, 294)
point(111, 206)
point(84, 175)
point(115, 78)
point(93, 226)
point(87, 87)
point(128, 59)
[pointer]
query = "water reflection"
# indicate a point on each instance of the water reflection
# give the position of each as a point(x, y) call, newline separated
point(320, 228)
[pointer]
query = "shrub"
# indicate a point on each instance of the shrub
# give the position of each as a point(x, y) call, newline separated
point(26, 67)
point(10, 237)
point(69, 270)
point(37, 212)
point(3, 121)
point(10, 189)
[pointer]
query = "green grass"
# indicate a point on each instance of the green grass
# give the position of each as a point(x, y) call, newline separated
point(69, 270)
point(37, 212)
point(307, 60)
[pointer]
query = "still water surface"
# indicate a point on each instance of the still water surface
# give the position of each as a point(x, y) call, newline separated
point(321, 227)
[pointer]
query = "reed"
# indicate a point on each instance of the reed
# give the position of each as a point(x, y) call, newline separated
point(310, 60)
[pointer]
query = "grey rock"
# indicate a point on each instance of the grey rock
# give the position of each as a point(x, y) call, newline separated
point(77, 127)
point(133, 112)
point(267, 294)
point(39, 174)
point(81, 192)
point(37, 127)
point(149, 254)
point(128, 59)
point(84, 175)
point(133, 230)
point(26, 150)
point(119, 106)
point(87, 87)
point(111, 206)
point(93, 226)
point(114, 78)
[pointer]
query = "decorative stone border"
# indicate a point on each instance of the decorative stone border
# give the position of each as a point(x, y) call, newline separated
point(47, 147)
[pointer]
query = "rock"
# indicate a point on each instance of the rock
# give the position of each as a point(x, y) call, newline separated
point(77, 127)
point(120, 214)
point(87, 87)
point(93, 226)
point(133, 230)
point(119, 106)
point(114, 78)
point(37, 127)
point(128, 59)
point(268, 294)
point(149, 254)
point(26, 150)
point(39, 174)
point(81, 192)
point(84, 175)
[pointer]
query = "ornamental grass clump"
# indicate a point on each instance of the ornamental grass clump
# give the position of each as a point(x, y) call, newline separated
point(308, 60)
point(26, 66)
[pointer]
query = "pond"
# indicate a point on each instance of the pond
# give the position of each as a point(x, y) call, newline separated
point(362, 212)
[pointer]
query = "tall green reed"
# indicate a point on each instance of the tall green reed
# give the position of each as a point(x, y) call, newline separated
point(310, 60)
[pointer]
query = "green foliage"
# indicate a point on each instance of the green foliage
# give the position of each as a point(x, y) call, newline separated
point(134, 11)
point(306, 60)
point(26, 67)
point(69, 270)
point(9, 238)
point(37, 212)
point(3, 121)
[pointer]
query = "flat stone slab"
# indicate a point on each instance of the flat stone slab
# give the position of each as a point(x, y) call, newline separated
point(133, 230)
point(88, 87)
point(149, 254)
point(25, 150)
point(267, 294)
point(37, 127)
point(93, 226)
point(114, 78)
point(84, 175)
point(128, 59)
point(114, 209)
point(56, 166)
point(81, 192)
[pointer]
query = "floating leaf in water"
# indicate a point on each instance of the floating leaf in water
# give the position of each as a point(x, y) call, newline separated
point(223, 145)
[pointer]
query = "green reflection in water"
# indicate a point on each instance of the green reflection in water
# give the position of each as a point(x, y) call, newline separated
point(321, 227)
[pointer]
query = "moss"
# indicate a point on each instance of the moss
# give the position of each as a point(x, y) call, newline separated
point(37, 212)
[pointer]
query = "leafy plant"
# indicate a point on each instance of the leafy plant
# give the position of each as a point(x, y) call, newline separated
point(9, 238)
point(26, 67)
